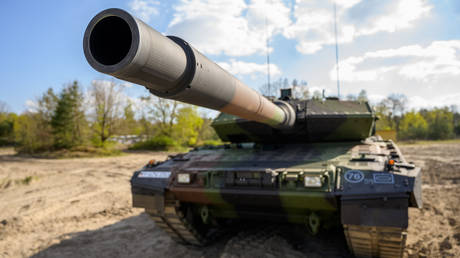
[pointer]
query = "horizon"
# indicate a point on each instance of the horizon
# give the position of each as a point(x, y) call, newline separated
point(404, 47)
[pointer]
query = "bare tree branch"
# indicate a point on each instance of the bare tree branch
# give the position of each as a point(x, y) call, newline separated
point(106, 100)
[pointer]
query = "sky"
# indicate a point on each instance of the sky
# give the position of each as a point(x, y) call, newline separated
point(410, 47)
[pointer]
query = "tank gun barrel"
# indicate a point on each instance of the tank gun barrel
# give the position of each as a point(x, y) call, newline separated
point(118, 44)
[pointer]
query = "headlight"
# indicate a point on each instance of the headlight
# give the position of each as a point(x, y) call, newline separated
point(183, 178)
point(312, 181)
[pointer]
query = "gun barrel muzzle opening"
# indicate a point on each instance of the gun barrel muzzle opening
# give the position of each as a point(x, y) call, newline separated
point(110, 40)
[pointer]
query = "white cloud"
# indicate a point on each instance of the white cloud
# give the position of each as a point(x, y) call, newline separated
point(314, 25)
point(230, 27)
point(144, 9)
point(237, 27)
point(126, 84)
point(31, 106)
point(414, 62)
point(375, 98)
point(247, 68)
point(400, 14)
point(417, 102)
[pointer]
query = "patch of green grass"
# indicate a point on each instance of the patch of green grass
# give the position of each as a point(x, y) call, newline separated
point(160, 143)
point(26, 180)
point(7, 182)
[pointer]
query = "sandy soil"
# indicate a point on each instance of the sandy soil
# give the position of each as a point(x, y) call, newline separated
point(81, 208)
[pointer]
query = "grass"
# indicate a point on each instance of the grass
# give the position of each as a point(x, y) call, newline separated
point(7, 182)
point(160, 143)
point(26, 180)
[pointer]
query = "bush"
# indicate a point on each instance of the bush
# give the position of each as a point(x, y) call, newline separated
point(162, 142)
point(412, 126)
point(7, 128)
point(440, 124)
point(32, 134)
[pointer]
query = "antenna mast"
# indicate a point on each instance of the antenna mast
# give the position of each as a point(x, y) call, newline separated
point(268, 55)
point(336, 50)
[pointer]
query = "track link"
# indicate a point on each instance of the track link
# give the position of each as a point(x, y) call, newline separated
point(176, 224)
point(366, 241)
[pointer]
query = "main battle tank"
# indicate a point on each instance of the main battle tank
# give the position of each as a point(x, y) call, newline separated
point(311, 162)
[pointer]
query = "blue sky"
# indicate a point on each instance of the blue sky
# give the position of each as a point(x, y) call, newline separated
point(410, 47)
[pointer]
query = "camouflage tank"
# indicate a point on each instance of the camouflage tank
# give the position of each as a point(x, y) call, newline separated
point(310, 162)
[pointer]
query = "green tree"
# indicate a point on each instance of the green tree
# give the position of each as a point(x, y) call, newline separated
point(413, 126)
point(32, 130)
point(162, 112)
point(129, 124)
point(68, 121)
point(440, 123)
point(146, 127)
point(25, 130)
point(188, 126)
point(31, 134)
point(46, 105)
point(385, 122)
point(207, 133)
point(456, 117)
point(7, 127)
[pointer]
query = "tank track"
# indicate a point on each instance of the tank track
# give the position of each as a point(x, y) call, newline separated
point(366, 241)
point(363, 241)
point(176, 224)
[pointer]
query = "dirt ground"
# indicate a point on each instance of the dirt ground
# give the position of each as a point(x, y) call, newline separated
point(82, 208)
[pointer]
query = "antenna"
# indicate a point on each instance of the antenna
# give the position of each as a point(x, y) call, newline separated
point(267, 50)
point(336, 50)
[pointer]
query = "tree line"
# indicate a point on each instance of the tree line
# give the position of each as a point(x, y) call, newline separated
point(73, 118)
point(439, 123)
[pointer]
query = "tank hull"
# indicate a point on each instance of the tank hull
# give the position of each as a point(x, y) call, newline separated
point(356, 189)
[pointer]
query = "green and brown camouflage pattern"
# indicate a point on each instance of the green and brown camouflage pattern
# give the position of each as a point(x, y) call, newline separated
point(248, 180)
point(366, 186)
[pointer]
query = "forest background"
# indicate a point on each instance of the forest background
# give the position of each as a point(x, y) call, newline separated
point(102, 120)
